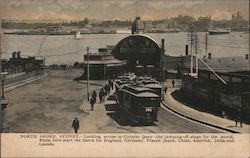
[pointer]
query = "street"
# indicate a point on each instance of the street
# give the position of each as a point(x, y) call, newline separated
point(51, 104)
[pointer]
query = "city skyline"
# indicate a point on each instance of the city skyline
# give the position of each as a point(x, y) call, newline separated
point(66, 10)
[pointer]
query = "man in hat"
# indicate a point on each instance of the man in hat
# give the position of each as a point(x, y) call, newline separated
point(75, 124)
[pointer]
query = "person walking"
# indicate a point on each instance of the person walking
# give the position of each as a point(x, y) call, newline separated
point(173, 83)
point(92, 103)
point(112, 85)
point(165, 89)
point(100, 95)
point(107, 89)
point(75, 124)
point(94, 95)
point(238, 117)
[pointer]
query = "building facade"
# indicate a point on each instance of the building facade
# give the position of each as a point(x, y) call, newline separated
point(102, 65)
point(207, 90)
point(17, 64)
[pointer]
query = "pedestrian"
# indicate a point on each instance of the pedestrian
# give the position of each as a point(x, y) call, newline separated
point(92, 103)
point(108, 89)
point(112, 85)
point(165, 89)
point(223, 113)
point(100, 95)
point(173, 82)
point(94, 95)
point(75, 124)
point(109, 82)
point(238, 117)
point(105, 90)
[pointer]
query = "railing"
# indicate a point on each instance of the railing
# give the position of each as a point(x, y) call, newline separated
point(23, 77)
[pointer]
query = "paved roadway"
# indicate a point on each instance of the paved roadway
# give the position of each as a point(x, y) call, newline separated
point(50, 105)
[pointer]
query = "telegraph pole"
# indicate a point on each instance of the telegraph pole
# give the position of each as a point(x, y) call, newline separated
point(88, 73)
point(206, 41)
point(1, 114)
point(191, 38)
point(196, 53)
point(163, 60)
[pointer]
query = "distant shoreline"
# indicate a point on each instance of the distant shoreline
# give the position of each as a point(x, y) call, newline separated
point(73, 33)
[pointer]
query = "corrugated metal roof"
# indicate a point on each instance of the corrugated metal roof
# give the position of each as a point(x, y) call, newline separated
point(112, 61)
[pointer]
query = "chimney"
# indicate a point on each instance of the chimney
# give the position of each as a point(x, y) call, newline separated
point(14, 55)
point(163, 46)
point(209, 55)
point(18, 54)
point(247, 56)
point(186, 50)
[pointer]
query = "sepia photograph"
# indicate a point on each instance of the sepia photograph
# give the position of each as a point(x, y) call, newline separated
point(124, 67)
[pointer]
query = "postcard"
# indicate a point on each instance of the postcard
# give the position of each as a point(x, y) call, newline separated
point(125, 78)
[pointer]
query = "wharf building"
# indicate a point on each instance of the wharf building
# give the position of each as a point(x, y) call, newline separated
point(231, 98)
point(102, 65)
point(206, 92)
point(135, 53)
point(18, 64)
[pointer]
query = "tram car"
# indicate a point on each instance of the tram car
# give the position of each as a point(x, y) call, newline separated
point(121, 81)
point(140, 103)
point(152, 84)
point(156, 88)
point(127, 76)
point(119, 84)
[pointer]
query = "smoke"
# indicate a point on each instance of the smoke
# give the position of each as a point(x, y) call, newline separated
point(219, 15)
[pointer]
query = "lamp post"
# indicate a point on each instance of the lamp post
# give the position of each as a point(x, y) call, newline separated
point(4, 101)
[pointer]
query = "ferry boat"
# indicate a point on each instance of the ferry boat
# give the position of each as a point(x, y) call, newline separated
point(219, 31)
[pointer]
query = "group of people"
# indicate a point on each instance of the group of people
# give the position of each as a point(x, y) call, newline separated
point(104, 92)
point(166, 88)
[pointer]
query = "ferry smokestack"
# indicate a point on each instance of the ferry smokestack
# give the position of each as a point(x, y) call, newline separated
point(186, 50)
point(14, 55)
point(18, 54)
point(209, 55)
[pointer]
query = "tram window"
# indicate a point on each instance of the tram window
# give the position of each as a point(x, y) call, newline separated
point(132, 100)
point(126, 97)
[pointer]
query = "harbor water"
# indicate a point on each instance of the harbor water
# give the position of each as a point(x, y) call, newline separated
point(66, 49)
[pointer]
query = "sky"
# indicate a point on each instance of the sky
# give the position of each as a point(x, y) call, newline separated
point(120, 9)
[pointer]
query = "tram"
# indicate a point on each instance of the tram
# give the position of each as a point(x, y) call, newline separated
point(140, 103)
point(152, 84)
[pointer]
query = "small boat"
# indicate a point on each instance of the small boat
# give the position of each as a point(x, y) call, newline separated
point(78, 35)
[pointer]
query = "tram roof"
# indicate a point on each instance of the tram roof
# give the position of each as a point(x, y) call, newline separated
point(146, 94)
point(153, 85)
